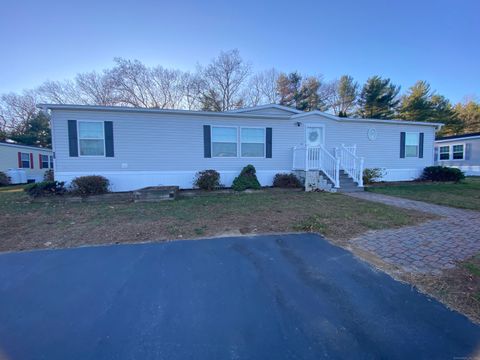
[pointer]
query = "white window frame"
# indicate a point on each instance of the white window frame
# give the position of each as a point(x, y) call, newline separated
point(211, 141)
point(439, 152)
point(264, 142)
point(463, 152)
point(450, 152)
point(418, 144)
point(29, 162)
point(103, 134)
point(48, 161)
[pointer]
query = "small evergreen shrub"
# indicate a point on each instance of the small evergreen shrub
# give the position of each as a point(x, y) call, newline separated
point(246, 180)
point(372, 175)
point(90, 185)
point(286, 181)
point(45, 188)
point(442, 173)
point(48, 175)
point(207, 180)
point(4, 179)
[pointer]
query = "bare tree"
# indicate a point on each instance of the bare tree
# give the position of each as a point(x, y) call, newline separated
point(192, 86)
point(18, 109)
point(262, 88)
point(96, 88)
point(59, 92)
point(168, 87)
point(225, 76)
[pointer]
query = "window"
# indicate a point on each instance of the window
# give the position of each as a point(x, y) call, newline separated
point(411, 144)
point(224, 142)
point(91, 138)
point(51, 162)
point(457, 151)
point(252, 142)
point(44, 161)
point(444, 153)
point(25, 160)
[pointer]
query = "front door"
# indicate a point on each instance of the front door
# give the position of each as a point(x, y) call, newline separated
point(315, 136)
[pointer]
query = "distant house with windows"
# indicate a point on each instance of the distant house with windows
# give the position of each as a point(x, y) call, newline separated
point(32, 160)
point(459, 151)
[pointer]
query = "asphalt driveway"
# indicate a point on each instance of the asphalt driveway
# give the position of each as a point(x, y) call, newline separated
point(266, 297)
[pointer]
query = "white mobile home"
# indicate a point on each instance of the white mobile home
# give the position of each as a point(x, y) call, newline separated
point(460, 151)
point(135, 147)
point(31, 160)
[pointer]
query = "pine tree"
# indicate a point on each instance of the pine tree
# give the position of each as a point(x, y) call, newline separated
point(35, 132)
point(378, 99)
point(417, 104)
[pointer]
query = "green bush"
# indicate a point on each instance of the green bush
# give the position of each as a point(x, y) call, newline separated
point(4, 179)
point(246, 180)
point(45, 188)
point(286, 181)
point(90, 185)
point(48, 175)
point(372, 175)
point(442, 173)
point(207, 180)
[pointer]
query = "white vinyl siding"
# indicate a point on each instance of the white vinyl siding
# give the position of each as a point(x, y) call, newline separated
point(412, 144)
point(91, 138)
point(147, 143)
point(224, 141)
point(252, 142)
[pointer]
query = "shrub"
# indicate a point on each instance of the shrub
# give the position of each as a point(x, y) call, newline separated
point(207, 180)
point(246, 180)
point(48, 175)
point(90, 185)
point(442, 173)
point(4, 179)
point(45, 188)
point(286, 181)
point(372, 175)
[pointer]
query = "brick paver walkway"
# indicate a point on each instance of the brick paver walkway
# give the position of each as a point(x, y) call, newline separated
point(426, 248)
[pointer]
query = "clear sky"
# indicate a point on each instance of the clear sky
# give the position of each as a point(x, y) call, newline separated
point(406, 40)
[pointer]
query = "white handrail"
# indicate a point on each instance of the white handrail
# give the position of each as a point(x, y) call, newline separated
point(351, 163)
point(318, 158)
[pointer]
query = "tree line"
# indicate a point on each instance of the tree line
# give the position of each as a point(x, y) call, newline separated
point(228, 83)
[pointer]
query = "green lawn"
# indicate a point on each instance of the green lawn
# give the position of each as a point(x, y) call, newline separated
point(26, 225)
point(465, 195)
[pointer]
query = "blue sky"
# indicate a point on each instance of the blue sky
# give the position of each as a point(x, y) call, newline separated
point(406, 40)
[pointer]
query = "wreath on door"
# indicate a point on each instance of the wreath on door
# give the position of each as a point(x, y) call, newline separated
point(313, 136)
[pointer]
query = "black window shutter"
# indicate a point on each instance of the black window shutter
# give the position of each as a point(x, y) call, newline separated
point(72, 138)
point(109, 139)
point(268, 143)
point(420, 146)
point(207, 146)
point(402, 144)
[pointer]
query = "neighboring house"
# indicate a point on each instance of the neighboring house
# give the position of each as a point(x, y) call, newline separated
point(460, 151)
point(31, 159)
point(136, 147)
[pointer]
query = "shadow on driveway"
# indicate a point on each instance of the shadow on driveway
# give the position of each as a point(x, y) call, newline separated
point(264, 297)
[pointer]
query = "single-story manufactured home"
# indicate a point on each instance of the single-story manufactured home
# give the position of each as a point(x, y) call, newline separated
point(459, 151)
point(137, 147)
point(28, 162)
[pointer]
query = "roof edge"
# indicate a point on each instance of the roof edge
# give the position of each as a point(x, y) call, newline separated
point(155, 111)
point(267, 106)
point(385, 121)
